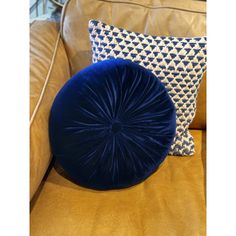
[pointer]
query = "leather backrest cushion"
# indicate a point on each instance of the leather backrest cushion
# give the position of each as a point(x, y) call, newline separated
point(185, 18)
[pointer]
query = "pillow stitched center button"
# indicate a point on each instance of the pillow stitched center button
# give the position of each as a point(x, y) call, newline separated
point(116, 127)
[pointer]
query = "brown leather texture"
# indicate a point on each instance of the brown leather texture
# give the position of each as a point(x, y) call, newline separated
point(170, 202)
point(185, 18)
point(49, 69)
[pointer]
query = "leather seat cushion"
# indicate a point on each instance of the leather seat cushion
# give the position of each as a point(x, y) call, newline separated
point(170, 202)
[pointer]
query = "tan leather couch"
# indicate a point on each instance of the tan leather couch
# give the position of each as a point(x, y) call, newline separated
point(169, 203)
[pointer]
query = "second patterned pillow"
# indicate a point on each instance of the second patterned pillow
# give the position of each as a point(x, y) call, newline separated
point(178, 62)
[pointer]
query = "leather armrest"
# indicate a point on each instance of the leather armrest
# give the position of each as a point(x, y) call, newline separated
point(49, 70)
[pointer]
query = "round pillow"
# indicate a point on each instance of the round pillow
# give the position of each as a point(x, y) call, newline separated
point(111, 125)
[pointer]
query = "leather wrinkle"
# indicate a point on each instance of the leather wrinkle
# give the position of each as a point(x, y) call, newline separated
point(40, 188)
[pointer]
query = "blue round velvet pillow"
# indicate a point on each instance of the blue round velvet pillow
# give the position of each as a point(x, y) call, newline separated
point(111, 125)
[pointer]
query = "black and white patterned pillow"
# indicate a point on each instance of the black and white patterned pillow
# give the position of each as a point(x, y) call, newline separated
point(177, 61)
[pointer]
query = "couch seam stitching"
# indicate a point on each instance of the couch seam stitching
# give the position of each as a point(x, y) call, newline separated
point(46, 80)
point(154, 7)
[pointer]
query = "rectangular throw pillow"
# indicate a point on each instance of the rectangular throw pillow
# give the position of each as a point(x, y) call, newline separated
point(178, 62)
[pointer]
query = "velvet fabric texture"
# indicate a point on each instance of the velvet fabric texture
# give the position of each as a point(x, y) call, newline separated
point(111, 125)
